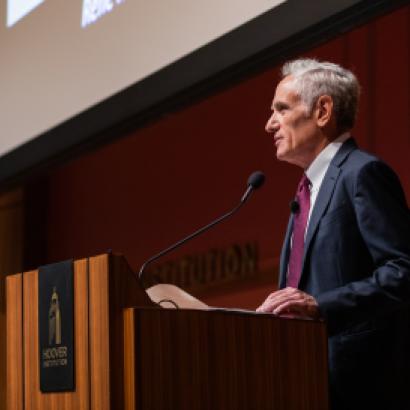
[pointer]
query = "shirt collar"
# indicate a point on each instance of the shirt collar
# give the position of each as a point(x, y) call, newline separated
point(317, 169)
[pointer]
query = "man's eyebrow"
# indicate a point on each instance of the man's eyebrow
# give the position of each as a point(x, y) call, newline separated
point(279, 105)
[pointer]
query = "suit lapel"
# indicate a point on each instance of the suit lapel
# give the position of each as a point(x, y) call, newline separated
point(322, 200)
point(326, 192)
point(284, 256)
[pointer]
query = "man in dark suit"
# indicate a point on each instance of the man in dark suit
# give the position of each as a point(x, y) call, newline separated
point(346, 254)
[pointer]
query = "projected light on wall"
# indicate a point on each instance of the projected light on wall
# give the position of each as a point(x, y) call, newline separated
point(17, 9)
point(95, 9)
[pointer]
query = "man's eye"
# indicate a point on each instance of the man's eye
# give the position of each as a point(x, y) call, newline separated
point(282, 108)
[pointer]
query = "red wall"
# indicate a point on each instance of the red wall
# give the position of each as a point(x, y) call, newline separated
point(160, 183)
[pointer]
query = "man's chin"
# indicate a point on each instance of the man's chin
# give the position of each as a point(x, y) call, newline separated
point(285, 157)
point(280, 155)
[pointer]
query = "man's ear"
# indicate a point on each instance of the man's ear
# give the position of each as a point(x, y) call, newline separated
point(324, 110)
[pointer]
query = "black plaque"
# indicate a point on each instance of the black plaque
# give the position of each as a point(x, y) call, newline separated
point(56, 327)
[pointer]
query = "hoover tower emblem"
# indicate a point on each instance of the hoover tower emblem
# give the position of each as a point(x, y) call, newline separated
point(54, 320)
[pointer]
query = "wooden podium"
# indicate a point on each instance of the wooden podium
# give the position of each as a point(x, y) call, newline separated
point(132, 354)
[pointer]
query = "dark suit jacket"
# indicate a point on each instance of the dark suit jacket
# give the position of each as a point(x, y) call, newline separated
point(357, 266)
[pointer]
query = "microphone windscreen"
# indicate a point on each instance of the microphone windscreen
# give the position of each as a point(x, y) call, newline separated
point(256, 179)
point(294, 206)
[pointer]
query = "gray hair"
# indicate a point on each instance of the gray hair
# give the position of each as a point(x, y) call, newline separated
point(313, 79)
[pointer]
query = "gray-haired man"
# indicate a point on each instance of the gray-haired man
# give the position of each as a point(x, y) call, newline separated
point(346, 254)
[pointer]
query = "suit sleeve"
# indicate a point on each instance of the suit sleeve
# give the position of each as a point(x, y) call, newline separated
point(383, 220)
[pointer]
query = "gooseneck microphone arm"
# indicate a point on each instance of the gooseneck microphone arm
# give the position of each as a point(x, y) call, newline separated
point(254, 182)
point(187, 238)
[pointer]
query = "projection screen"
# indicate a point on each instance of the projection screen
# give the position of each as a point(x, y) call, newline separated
point(72, 69)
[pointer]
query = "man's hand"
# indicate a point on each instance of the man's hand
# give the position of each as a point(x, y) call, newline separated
point(290, 302)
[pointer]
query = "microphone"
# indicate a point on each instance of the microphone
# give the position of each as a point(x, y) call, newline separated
point(294, 206)
point(255, 181)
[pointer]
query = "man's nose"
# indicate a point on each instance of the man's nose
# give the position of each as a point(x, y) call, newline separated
point(272, 124)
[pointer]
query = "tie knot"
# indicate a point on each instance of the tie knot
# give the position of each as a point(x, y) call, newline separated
point(304, 183)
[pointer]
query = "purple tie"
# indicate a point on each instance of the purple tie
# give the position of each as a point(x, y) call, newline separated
point(298, 236)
